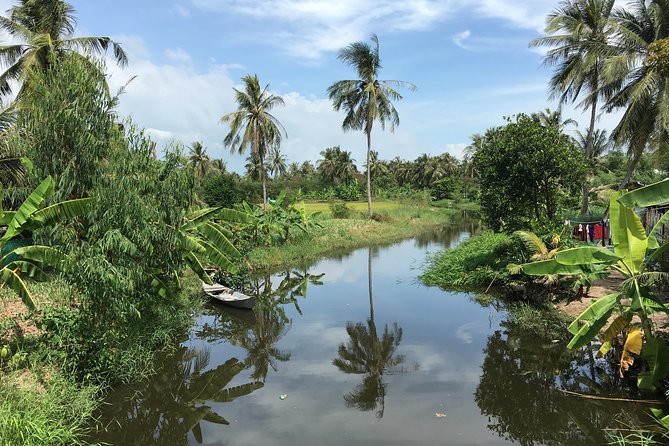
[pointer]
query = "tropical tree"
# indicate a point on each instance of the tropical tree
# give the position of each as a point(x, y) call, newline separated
point(220, 165)
point(640, 76)
point(198, 160)
point(366, 99)
point(579, 35)
point(600, 144)
point(44, 31)
point(277, 163)
point(254, 169)
point(337, 165)
point(252, 125)
point(553, 118)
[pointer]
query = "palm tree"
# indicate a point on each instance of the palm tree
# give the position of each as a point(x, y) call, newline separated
point(579, 33)
point(198, 160)
point(553, 119)
point(277, 163)
point(44, 30)
point(254, 170)
point(642, 73)
point(220, 165)
point(253, 126)
point(346, 169)
point(601, 144)
point(366, 99)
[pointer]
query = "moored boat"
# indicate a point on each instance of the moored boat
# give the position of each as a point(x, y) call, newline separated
point(227, 296)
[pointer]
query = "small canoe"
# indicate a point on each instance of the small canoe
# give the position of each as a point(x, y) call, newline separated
point(227, 296)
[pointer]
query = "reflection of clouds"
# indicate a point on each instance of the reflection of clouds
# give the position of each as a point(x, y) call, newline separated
point(351, 271)
point(315, 336)
point(464, 332)
point(444, 366)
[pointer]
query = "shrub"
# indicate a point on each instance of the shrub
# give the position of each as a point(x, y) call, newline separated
point(340, 210)
point(222, 190)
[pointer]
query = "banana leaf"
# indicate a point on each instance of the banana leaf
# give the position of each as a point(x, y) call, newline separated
point(628, 235)
point(218, 257)
point(586, 255)
point(655, 353)
point(32, 204)
point(43, 254)
point(12, 280)
point(653, 194)
point(216, 238)
point(197, 267)
point(552, 267)
point(29, 270)
point(594, 318)
point(59, 212)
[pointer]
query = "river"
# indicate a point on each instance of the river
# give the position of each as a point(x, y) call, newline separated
point(354, 350)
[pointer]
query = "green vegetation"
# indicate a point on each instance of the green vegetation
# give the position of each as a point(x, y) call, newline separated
point(366, 99)
point(336, 235)
point(477, 262)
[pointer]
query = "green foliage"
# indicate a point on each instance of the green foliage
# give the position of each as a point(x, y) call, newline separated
point(528, 172)
point(340, 210)
point(633, 256)
point(477, 261)
point(69, 125)
point(44, 411)
point(350, 191)
point(446, 188)
point(222, 190)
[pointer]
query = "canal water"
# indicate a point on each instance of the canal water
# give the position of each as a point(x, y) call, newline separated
point(354, 350)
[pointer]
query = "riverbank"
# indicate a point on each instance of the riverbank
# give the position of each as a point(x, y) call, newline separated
point(393, 222)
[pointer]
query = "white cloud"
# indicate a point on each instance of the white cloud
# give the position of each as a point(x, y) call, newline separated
point(178, 55)
point(307, 28)
point(457, 150)
point(459, 39)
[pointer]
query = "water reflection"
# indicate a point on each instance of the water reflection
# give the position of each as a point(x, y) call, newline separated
point(174, 403)
point(367, 354)
point(522, 391)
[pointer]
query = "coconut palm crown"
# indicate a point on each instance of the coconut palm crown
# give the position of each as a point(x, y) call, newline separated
point(42, 30)
point(252, 126)
point(366, 99)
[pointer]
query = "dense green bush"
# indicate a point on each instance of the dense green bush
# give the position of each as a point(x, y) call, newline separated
point(340, 210)
point(477, 261)
point(446, 188)
point(222, 190)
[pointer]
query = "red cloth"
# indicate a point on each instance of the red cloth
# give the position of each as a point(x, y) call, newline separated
point(599, 232)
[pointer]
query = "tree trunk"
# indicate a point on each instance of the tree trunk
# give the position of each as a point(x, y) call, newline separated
point(630, 170)
point(369, 173)
point(264, 186)
point(588, 154)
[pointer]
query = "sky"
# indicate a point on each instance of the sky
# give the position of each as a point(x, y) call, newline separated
point(469, 59)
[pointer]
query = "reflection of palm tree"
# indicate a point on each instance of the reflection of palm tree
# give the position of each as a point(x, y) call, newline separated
point(175, 402)
point(366, 354)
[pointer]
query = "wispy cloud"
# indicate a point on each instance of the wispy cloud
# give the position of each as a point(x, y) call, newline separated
point(180, 11)
point(178, 55)
point(460, 38)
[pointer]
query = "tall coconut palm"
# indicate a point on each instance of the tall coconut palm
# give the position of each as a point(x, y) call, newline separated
point(601, 144)
point(277, 163)
point(579, 33)
point(252, 126)
point(198, 160)
point(642, 72)
point(553, 119)
point(254, 170)
point(220, 165)
point(366, 99)
point(43, 30)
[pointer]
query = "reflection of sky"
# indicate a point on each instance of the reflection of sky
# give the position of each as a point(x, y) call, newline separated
point(443, 338)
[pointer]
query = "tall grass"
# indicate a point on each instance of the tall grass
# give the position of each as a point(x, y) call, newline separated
point(50, 411)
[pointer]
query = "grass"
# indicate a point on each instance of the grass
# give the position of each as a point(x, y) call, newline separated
point(474, 263)
point(398, 221)
point(356, 206)
point(46, 410)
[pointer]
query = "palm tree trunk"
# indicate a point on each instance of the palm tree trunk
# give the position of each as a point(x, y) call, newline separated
point(264, 186)
point(630, 170)
point(369, 173)
point(588, 153)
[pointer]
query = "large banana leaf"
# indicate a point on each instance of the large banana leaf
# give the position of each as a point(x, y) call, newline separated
point(33, 203)
point(10, 278)
point(43, 254)
point(657, 356)
point(552, 267)
point(218, 239)
point(29, 270)
point(59, 212)
point(230, 394)
point(586, 255)
point(594, 318)
point(234, 216)
point(197, 267)
point(200, 216)
point(653, 194)
point(628, 235)
point(615, 328)
point(217, 257)
point(6, 217)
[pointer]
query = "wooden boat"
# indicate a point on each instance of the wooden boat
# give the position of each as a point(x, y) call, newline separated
point(227, 296)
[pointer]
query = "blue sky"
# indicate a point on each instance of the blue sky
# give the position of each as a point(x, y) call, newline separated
point(469, 59)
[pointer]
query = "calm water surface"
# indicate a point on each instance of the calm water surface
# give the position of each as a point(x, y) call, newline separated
point(353, 350)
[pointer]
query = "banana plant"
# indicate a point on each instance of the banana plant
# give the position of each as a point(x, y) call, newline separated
point(206, 242)
point(29, 261)
point(634, 256)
